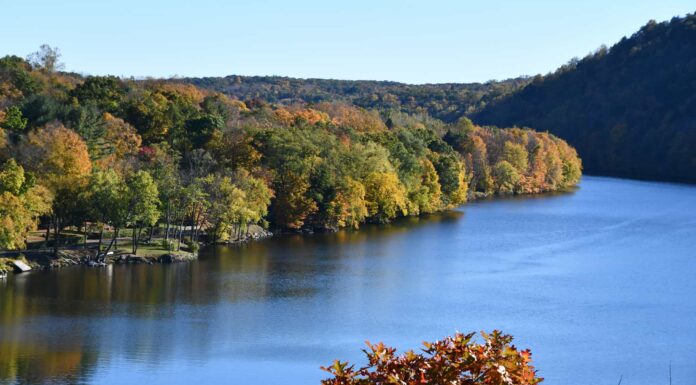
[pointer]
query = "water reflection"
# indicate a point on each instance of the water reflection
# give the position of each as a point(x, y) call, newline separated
point(55, 324)
point(565, 274)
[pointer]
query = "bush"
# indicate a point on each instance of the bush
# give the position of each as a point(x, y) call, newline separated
point(453, 360)
point(194, 247)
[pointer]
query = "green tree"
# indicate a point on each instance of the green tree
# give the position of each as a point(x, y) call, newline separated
point(108, 93)
point(163, 165)
point(142, 202)
point(451, 173)
point(200, 130)
point(226, 205)
point(14, 121)
point(506, 177)
point(106, 199)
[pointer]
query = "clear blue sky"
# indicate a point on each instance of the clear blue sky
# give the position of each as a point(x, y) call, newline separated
point(408, 41)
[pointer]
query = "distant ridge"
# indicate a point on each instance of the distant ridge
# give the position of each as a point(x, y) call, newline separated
point(447, 101)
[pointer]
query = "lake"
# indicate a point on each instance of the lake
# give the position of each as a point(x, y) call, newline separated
point(600, 283)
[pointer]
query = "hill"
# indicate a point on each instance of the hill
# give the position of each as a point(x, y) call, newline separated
point(629, 110)
point(447, 102)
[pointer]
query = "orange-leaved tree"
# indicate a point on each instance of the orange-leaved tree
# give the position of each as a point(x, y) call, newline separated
point(456, 360)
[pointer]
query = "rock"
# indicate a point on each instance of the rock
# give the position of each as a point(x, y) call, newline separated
point(167, 258)
point(175, 258)
point(137, 259)
point(20, 266)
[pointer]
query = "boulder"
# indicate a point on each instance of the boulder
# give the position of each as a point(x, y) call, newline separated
point(175, 258)
point(137, 259)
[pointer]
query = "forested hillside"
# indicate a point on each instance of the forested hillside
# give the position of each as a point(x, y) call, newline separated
point(132, 154)
point(629, 110)
point(447, 102)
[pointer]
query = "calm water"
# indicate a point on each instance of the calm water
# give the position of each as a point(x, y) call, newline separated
point(599, 283)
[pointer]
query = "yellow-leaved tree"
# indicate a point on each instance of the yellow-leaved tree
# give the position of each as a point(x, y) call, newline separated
point(60, 160)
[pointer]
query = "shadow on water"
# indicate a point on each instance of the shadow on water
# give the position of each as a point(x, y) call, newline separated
point(527, 197)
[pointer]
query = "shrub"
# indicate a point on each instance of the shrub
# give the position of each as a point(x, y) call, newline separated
point(454, 360)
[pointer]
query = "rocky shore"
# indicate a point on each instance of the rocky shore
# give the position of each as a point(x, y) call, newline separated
point(44, 260)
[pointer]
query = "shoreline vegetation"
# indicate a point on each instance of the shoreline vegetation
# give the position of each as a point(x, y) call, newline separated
point(148, 168)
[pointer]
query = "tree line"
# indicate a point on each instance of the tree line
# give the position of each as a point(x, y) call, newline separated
point(447, 102)
point(125, 154)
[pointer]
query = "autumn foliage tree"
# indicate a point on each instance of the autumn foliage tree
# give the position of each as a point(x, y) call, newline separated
point(60, 159)
point(456, 360)
point(115, 154)
point(22, 201)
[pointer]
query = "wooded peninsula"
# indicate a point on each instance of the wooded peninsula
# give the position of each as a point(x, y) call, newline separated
point(103, 156)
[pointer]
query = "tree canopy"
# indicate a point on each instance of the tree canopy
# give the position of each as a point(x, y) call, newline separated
point(122, 154)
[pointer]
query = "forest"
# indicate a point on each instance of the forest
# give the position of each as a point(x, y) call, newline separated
point(628, 109)
point(447, 102)
point(110, 154)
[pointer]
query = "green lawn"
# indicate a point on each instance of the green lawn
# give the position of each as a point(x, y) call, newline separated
point(144, 250)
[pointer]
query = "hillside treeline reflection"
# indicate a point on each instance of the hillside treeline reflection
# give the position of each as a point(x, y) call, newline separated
point(47, 318)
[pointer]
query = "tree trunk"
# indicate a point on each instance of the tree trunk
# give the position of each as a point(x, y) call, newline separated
point(113, 242)
point(84, 234)
point(101, 238)
point(133, 238)
point(168, 216)
point(56, 237)
point(48, 233)
point(196, 218)
point(181, 233)
point(137, 240)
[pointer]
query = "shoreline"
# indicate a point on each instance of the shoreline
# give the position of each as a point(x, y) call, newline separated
point(45, 260)
point(86, 256)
